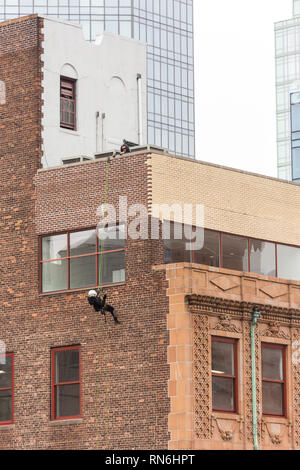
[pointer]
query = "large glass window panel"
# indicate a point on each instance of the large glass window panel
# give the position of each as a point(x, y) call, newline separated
point(235, 252)
point(67, 366)
point(224, 374)
point(171, 76)
point(150, 102)
point(177, 76)
point(125, 3)
point(158, 137)
point(164, 140)
point(5, 405)
point(171, 141)
point(272, 363)
point(185, 144)
point(66, 382)
point(125, 28)
point(111, 238)
point(97, 27)
point(67, 398)
point(295, 110)
point(112, 267)
point(164, 72)
point(223, 393)
point(272, 396)
point(5, 372)
point(54, 275)
point(288, 262)
point(184, 111)
point(209, 253)
point(83, 271)
point(295, 98)
point(223, 360)
point(176, 243)
point(82, 243)
point(296, 163)
point(54, 247)
point(262, 257)
point(112, 26)
point(178, 143)
point(273, 380)
point(6, 391)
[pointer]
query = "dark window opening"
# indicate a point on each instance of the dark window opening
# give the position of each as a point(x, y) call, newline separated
point(6, 388)
point(66, 373)
point(68, 103)
point(224, 374)
point(273, 379)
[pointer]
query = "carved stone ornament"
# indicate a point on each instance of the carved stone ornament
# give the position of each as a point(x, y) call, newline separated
point(225, 323)
point(275, 438)
point(226, 435)
point(224, 283)
point(274, 291)
point(274, 330)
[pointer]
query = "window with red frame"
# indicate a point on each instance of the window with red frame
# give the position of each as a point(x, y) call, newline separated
point(66, 373)
point(6, 388)
point(85, 258)
point(273, 379)
point(224, 250)
point(68, 103)
point(224, 374)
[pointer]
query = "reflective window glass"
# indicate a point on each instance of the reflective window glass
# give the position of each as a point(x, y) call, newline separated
point(262, 257)
point(288, 262)
point(235, 252)
point(209, 253)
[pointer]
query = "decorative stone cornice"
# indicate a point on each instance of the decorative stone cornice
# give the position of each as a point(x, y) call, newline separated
point(199, 304)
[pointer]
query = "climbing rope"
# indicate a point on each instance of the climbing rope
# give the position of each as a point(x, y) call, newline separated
point(105, 213)
point(101, 289)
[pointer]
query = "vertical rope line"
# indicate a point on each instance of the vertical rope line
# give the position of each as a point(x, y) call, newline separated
point(106, 325)
point(105, 213)
point(107, 389)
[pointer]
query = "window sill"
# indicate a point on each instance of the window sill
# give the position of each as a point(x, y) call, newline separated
point(62, 422)
point(274, 418)
point(68, 131)
point(81, 289)
point(226, 415)
point(4, 427)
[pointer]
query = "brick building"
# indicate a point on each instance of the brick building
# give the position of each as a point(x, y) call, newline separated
point(177, 372)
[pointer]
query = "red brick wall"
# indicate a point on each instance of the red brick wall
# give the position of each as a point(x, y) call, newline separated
point(124, 368)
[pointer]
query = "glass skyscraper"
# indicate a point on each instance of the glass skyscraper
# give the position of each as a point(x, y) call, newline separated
point(167, 27)
point(287, 44)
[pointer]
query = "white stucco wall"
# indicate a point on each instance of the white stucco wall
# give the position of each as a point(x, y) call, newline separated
point(106, 74)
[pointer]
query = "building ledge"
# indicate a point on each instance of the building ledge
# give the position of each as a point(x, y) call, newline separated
point(65, 422)
point(6, 427)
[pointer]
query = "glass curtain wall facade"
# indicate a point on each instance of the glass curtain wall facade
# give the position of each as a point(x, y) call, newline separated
point(287, 57)
point(167, 27)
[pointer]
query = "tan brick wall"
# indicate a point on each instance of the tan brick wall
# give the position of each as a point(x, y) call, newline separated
point(234, 201)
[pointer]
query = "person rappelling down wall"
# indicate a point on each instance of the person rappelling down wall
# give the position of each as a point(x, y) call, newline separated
point(100, 305)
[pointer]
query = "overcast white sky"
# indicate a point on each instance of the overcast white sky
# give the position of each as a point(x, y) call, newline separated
point(235, 82)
